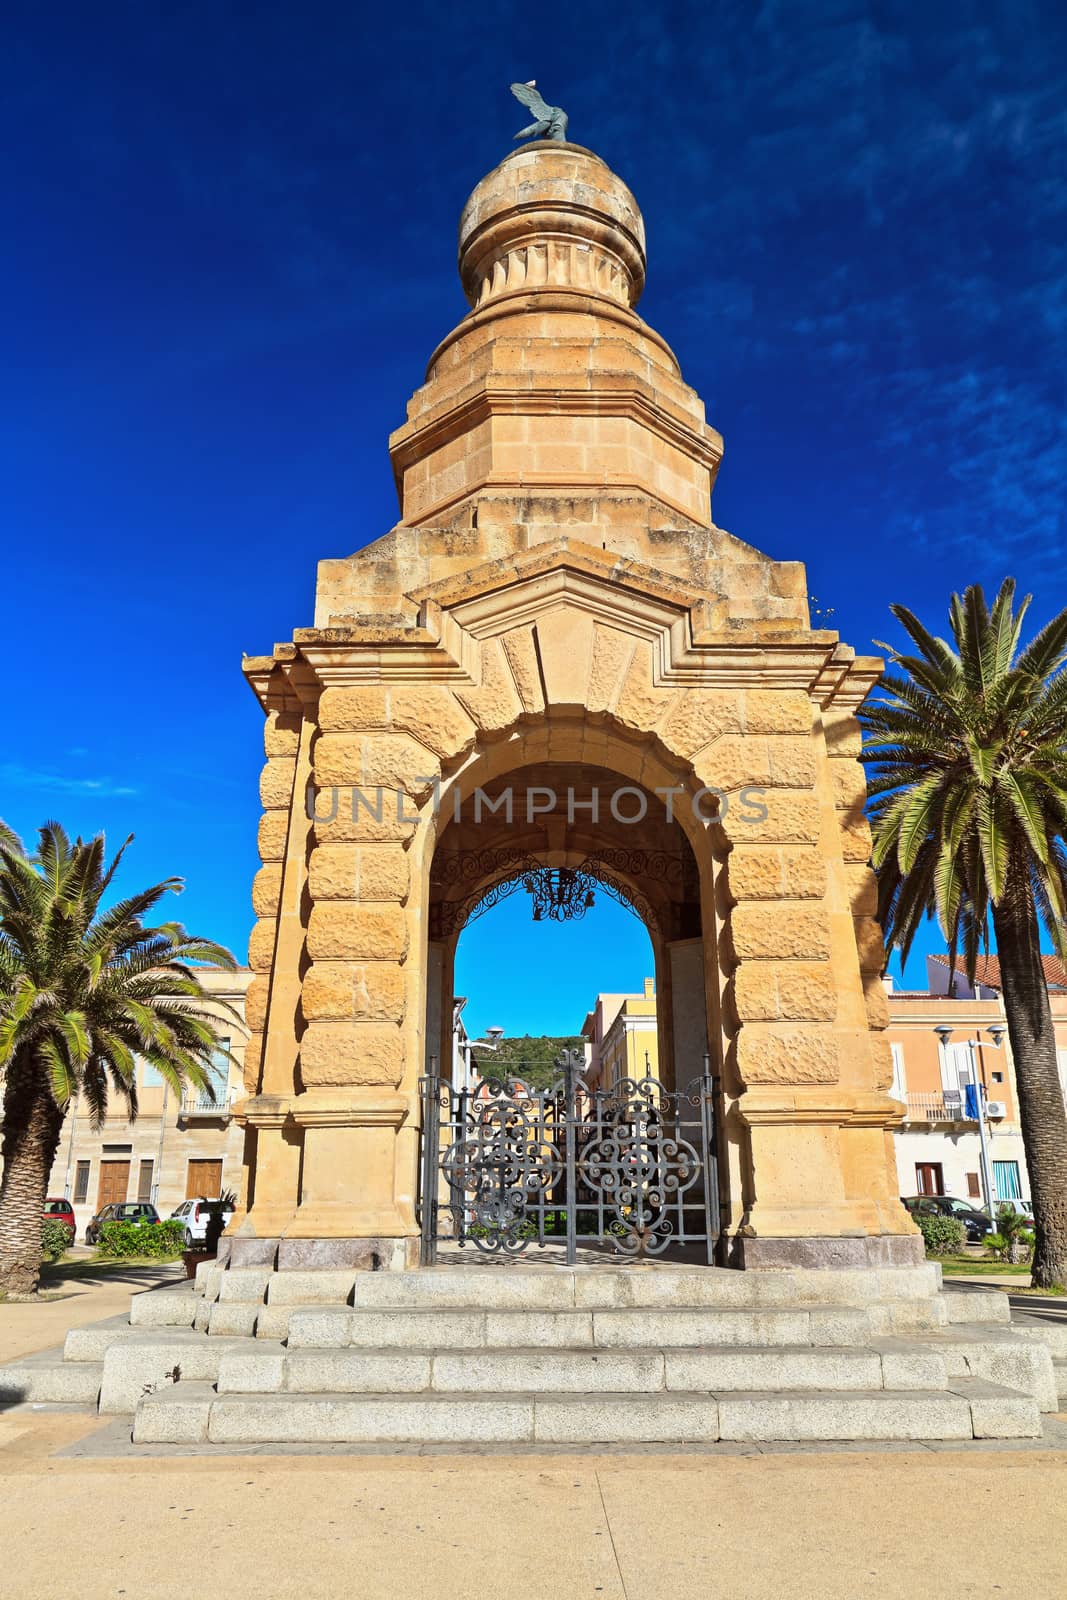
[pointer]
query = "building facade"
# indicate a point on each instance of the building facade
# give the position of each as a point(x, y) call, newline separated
point(938, 1147)
point(177, 1148)
point(621, 1036)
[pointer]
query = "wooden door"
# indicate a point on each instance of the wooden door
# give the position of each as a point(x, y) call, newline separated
point(929, 1177)
point(204, 1178)
point(114, 1183)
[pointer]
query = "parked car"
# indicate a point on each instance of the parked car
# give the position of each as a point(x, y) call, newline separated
point(120, 1211)
point(976, 1222)
point(195, 1214)
point(1022, 1207)
point(61, 1211)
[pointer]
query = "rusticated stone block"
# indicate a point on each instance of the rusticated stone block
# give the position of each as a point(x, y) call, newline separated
point(881, 1061)
point(339, 989)
point(281, 733)
point(432, 715)
point(778, 816)
point(494, 704)
point(266, 889)
point(792, 761)
point(862, 889)
point(276, 783)
point(869, 944)
point(334, 1054)
point(876, 1001)
point(372, 762)
point(522, 659)
point(777, 711)
point(261, 945)
point(780, 931)
point(355, 872)
point(342, 817)
point(850, 784)
point(641, 704)
point(855, 836)
point(807, 992)
point(353, 710)
point(765, 872)
point(252, 1062)
point(273, 835)
point(701, 716)
point(611, 653)
point(801, 1055)
point(844, 736)
point(256, 998)
point(733, 762)
point(341, 931)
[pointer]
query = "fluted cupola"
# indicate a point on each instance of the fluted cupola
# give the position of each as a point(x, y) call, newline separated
point(553, 391)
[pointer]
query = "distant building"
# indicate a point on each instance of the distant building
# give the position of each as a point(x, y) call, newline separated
point(621, 1037)
point(937, 1146)
point(178, 1147)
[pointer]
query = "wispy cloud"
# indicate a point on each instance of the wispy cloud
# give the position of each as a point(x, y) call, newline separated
point(16, 776)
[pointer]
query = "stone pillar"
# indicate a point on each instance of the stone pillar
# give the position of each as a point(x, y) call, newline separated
point(801, 1046)
point(272, 1003)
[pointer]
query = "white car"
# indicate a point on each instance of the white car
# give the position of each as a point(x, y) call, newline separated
point(195, 1214)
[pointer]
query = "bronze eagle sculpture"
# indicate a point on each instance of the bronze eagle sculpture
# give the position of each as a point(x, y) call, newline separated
point(551, 120)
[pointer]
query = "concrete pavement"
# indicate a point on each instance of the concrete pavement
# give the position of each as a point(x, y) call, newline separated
point(830, 1524)
point(82, 1294)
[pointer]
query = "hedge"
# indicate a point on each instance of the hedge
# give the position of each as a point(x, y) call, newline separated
point(142, 1238)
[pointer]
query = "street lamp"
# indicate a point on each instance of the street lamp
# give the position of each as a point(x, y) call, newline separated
point(468, 1046)
point(997, 1031)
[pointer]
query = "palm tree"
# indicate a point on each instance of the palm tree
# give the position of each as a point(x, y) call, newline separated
point(84, 992)
point(968, 754)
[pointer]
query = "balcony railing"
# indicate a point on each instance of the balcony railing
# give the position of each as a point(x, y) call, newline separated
point(202, 1105)
point(937, 1108)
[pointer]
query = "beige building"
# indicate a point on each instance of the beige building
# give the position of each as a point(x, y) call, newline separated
point(938, 1148)
point(621, 1036)
point(176, 1148)
point(556, 661)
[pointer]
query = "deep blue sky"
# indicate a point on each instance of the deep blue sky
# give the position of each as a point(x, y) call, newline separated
point(229, 240)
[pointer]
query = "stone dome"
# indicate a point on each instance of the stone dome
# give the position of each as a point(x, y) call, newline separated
point(552, 216)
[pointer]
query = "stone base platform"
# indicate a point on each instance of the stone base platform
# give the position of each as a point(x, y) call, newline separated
point(511, 1354)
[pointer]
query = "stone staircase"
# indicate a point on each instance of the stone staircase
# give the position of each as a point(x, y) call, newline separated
point(527, 1354)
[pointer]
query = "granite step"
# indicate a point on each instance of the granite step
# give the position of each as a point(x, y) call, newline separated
point(1059, 1368)
point(310, 1371)
point(322, 1327)
point(46, 1377)
point(192, 1413)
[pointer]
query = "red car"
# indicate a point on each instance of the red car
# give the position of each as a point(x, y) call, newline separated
point(61, 1211)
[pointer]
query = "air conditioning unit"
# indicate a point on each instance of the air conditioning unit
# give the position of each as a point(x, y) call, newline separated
point(996, 1109)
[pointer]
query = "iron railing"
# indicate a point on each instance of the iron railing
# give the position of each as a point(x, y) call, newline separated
point(503, 1167)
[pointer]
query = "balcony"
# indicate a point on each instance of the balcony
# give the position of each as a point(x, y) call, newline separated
point(201, 1107)
point(937, 1108)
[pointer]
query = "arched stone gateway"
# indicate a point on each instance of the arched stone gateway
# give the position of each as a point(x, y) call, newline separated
point(555, 656)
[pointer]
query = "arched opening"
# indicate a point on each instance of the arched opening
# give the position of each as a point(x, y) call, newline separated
point(587, 1146)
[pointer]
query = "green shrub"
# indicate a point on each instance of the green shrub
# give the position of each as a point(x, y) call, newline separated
point(120, 1239)
point(55, 1239)
point(942, 1236)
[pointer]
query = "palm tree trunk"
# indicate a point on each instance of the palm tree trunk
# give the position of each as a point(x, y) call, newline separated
point(32, 1125)
point(1041, 1105)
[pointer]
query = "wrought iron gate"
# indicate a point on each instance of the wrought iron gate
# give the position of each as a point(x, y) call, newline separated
point(503, 1167)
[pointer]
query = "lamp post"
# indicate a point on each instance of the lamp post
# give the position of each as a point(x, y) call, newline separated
point(468, 1046)
point(944, 1034)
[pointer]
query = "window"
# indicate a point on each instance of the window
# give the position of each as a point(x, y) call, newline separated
point(81, 1182)
point(899, 1087)
point(1006, 1180)
point(929, 1178)
point(144, 1181)
point(998, 1077)
point(974, 1188)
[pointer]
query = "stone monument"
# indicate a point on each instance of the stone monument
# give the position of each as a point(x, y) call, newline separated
point(556, 611)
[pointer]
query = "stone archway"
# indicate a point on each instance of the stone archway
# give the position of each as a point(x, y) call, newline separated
point(556, 595)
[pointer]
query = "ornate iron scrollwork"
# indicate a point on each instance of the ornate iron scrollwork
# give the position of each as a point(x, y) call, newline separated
point(632, 1166)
